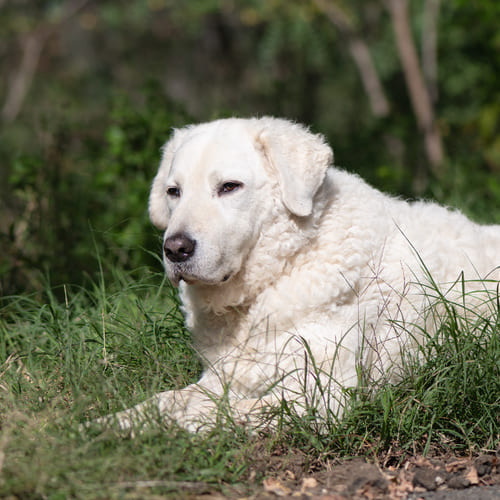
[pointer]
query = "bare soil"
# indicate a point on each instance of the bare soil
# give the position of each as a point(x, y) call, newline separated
point(295, 475)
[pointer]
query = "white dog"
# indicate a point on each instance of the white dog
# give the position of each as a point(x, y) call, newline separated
point(292, 274)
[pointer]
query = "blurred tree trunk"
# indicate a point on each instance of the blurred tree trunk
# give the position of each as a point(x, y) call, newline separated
point(429, 46)
point(361, 56)
point(32, 45)
point(419, 95)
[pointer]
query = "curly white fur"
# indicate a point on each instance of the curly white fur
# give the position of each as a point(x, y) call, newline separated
point(302, 260)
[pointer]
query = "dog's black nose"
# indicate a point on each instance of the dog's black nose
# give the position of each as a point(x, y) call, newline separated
point(179, 247)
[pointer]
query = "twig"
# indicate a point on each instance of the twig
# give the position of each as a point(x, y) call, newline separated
point(171, 485)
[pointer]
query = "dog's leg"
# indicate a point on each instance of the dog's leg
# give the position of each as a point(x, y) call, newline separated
point(191, 408)
point(196, 406)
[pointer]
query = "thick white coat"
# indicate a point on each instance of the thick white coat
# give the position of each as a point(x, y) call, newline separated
point(300, 264)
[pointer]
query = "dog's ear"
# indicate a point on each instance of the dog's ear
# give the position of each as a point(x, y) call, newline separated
point(158, 209)
point(300, 159)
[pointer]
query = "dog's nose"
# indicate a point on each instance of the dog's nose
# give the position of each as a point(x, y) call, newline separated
point(179, 247)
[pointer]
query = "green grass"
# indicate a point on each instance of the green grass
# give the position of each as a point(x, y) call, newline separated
point(74, 354)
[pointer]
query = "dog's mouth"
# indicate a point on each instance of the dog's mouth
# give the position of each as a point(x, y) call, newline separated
point(196, 280)
point(188, 281)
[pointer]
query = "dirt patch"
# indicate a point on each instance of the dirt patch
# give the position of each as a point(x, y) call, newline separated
point(295, 474)
point(359, 479)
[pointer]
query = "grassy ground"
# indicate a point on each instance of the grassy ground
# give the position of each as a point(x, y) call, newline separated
point(74, 354)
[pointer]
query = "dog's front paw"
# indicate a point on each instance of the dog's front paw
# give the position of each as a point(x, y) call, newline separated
point(127, 423)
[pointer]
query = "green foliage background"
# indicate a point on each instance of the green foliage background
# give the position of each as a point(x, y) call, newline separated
point(89, 324)
point(114, 78)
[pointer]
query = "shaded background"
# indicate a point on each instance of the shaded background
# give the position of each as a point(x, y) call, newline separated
point(406, 91)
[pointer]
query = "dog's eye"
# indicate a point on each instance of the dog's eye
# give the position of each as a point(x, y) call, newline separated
point(173, 192)
point(229, 187)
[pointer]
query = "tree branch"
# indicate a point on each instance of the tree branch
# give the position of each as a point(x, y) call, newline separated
point(32, 46)
point(419, 96)
point(361, 56)
point(429, 46)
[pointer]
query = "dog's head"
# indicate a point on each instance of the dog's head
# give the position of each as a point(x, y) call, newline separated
point(212, 191)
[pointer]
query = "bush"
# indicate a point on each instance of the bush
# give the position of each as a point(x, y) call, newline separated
point(84, 194)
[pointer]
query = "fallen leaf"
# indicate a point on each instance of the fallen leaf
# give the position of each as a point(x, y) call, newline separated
point(472, 476)
point(309, 482)
point(274, 486)
point(422, 462)
point(457, 465)
point(400, 486)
